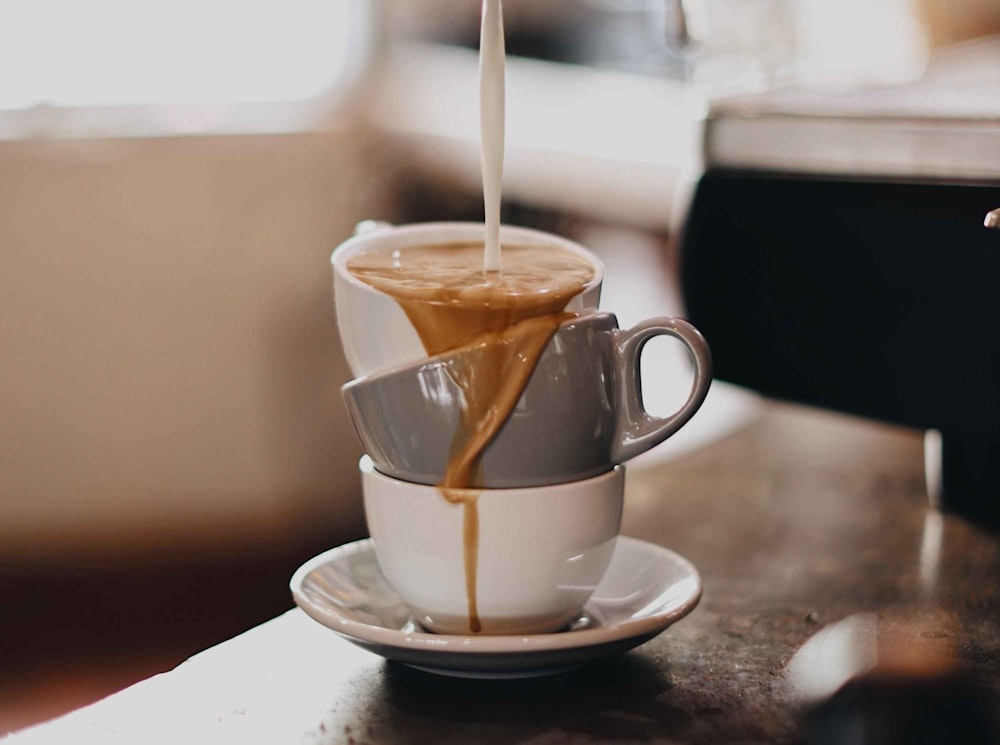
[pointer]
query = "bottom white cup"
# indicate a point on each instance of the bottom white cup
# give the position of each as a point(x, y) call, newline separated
point(540, 552)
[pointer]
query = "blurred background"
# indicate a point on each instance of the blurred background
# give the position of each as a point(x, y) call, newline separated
point(173, 178)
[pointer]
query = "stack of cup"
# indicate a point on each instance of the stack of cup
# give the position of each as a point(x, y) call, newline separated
point(521, 546)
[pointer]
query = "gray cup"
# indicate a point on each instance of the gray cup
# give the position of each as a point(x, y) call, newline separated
point(580, 414)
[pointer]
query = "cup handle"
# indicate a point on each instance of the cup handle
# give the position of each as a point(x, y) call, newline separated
point(638, 431)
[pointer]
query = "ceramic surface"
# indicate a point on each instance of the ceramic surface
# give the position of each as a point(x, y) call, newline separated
point(645, 589)
point(580, 414)
point(375, 332)
point(540, 551)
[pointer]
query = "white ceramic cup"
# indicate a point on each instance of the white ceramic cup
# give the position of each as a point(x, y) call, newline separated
point(374, 330)
point(541, 551)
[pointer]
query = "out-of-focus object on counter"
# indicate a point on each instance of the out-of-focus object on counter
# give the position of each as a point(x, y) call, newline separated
point(886, 680)
point(834, 253)
point(730, 46)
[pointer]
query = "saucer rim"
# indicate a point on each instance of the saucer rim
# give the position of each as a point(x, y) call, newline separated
point(472, 645)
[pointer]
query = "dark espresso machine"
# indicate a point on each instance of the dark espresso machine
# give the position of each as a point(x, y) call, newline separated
point(834, 253)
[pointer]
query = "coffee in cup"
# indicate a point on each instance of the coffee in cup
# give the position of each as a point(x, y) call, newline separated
point(375, 331)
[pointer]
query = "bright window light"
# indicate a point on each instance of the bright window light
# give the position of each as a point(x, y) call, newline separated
point(147, 52)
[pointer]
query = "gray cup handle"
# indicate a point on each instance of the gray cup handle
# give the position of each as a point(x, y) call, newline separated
point(638, 431)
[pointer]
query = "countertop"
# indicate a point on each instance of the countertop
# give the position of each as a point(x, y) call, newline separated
point(796, 521)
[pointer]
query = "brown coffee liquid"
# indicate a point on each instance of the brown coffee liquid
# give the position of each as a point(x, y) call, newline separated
point(451, 301)
point(502, 321)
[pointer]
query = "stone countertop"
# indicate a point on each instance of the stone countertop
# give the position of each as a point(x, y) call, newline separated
point(796, 521)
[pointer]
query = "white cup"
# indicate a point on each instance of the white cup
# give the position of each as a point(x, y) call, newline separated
point(541, 551)
point(374, 330)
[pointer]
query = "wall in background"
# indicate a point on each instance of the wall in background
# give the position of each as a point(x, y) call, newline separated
point(170, 366)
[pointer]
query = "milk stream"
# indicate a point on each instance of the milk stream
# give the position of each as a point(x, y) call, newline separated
point(492, 124)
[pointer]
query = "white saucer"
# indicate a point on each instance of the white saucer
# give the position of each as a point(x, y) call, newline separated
point(646, 589)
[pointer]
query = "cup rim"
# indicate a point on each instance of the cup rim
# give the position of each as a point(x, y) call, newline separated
point(462, 231)
point(587, 316)
point(367, 468)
